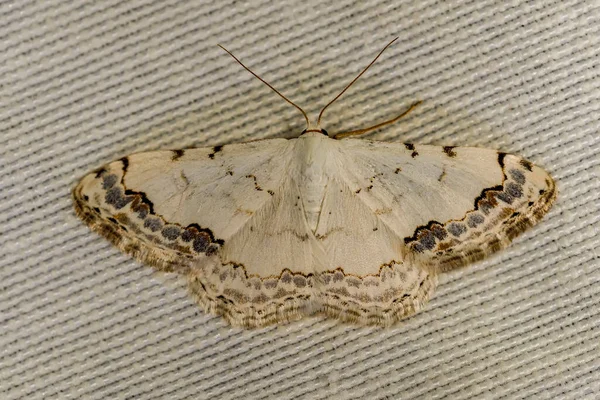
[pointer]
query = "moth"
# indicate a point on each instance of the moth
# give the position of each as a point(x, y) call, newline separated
point(273, 230)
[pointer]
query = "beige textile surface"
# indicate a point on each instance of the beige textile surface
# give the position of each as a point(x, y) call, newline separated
point(86, 82)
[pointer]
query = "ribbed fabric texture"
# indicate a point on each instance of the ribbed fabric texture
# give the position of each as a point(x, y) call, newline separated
point(83, 83)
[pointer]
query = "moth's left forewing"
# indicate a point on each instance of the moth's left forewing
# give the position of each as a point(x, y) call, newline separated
point(499, 214)
point(450, 206)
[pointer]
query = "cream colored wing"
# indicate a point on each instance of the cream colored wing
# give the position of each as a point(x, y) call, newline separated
point(447, 206)
point(224, 216)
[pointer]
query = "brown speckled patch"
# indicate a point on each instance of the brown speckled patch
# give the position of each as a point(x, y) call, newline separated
point(527, 165)
point(256, 186)
point(449, 150)
point(215, 150)
point(177, 154)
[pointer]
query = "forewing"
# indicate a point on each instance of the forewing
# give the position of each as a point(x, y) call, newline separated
point(448, 206)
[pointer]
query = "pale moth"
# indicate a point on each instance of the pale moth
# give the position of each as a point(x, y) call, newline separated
point(273, 230)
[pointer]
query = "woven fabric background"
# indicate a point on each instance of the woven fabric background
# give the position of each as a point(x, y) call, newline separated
point(84, 82)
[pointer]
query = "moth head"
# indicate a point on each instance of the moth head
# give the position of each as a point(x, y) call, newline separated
point(321, 131)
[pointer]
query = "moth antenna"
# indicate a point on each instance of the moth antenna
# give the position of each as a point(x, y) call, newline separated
point(351, 83)
point(365, 130)
point(266, 83)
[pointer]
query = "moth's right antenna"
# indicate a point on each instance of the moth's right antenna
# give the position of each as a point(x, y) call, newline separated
point(351, 83)
point(266, 83)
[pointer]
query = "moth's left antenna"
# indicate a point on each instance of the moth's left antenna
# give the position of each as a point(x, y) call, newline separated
point(266, 83)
